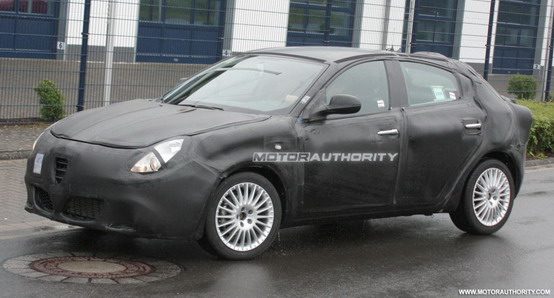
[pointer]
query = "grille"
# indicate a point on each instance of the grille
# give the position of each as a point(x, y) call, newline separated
point(61, 168)
point(84, 208)
point(43, 201)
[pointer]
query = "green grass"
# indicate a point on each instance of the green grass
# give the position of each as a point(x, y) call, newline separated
point(539, 109)
point(541, 140)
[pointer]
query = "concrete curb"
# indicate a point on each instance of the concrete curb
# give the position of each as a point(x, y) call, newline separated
point(539, 162)
point(24, 154)
point(7, 155)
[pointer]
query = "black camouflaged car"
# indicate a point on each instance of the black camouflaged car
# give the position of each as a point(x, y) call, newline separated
point(283, 137)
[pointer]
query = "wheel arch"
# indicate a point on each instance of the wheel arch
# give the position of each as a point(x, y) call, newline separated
point(268, 173)
point(465, 216)
point(503, 157)
point(271, 175)
point(509, 162)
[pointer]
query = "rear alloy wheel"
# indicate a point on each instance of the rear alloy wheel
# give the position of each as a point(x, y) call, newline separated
point(487, 200)
point(243, 217)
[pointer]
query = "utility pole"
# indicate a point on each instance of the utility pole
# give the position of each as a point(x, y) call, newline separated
point(489, 41)
point(410, 29)
point(108, 64)
point(84, 57)
point(549, 60)
point(384, 38)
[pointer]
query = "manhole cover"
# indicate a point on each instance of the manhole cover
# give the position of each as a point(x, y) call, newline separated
point(83, 267)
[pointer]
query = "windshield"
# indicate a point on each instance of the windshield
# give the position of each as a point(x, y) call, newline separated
point(264, 84)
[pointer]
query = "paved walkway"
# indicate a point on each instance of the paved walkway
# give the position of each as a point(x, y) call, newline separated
point(14, 220)
point(16, 141)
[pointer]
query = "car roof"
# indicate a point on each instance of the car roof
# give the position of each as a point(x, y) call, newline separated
point(326, 54)
point(339, 54)
point(344, 54)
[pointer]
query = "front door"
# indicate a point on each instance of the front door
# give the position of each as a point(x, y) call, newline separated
point(357, 155)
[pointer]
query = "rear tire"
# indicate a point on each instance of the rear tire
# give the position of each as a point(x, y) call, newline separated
point(243, 217)
point(487, 199)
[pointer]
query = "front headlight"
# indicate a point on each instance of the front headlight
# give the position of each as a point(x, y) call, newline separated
point(150, 163)
point(36, 140)
point(40, 135)
point(168, 149)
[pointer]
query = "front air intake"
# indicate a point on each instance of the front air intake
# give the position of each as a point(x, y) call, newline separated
point(61, 169)
point(84, 208)
point(42, 200)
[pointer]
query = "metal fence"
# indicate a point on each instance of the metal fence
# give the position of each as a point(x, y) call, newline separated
point(100, 52)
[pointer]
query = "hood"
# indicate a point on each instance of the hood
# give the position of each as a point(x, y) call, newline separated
point(141, 123)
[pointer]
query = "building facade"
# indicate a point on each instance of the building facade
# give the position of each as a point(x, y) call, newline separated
point(204, 31)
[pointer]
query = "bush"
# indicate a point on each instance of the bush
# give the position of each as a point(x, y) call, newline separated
point(51, 101)
point(541, 140)
point(522, 86)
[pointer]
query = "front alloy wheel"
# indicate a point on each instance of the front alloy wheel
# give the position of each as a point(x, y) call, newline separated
point(487, 199)
point(243, 217)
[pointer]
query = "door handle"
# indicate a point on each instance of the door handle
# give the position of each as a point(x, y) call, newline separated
point(390, 132)
point(473, 125)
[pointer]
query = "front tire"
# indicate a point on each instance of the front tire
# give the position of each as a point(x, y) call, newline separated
point(243, 217)
point(487, 199)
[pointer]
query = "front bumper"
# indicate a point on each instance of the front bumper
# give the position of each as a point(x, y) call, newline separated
point(92, 186)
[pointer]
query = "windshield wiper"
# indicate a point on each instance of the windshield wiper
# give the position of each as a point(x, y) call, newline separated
point(201, 106)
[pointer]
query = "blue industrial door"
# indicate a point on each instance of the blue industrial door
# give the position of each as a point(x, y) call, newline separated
point(434, 26)
point(516, 36)
point(180, 31)
point(28, 28)
point(321, 22)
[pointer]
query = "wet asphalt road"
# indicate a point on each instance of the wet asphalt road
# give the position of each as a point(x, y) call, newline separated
point(408, 256)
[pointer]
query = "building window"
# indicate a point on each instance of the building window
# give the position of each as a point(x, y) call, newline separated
point(27, 6)
point(434, 26)
point(516, 36)
point(321, 22)
point(180, 31)
point(181, 12)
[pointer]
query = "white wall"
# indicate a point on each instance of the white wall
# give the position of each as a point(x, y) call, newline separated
point(75, 9)
point(396, 24)
point(126, 18)
point(372, 14)
point(373, 19)
point(546, 37)
point(474, 31)
point(126, 25)
point(259, 24)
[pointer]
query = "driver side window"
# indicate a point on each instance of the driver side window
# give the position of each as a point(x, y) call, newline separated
point(368, 82)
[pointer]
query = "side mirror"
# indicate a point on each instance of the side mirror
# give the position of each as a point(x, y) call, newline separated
point(340, 104)
point(343, 104)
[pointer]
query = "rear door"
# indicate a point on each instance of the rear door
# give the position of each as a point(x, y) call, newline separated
point(442, 131)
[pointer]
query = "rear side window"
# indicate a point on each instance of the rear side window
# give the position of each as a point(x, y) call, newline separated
point(428, 84)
